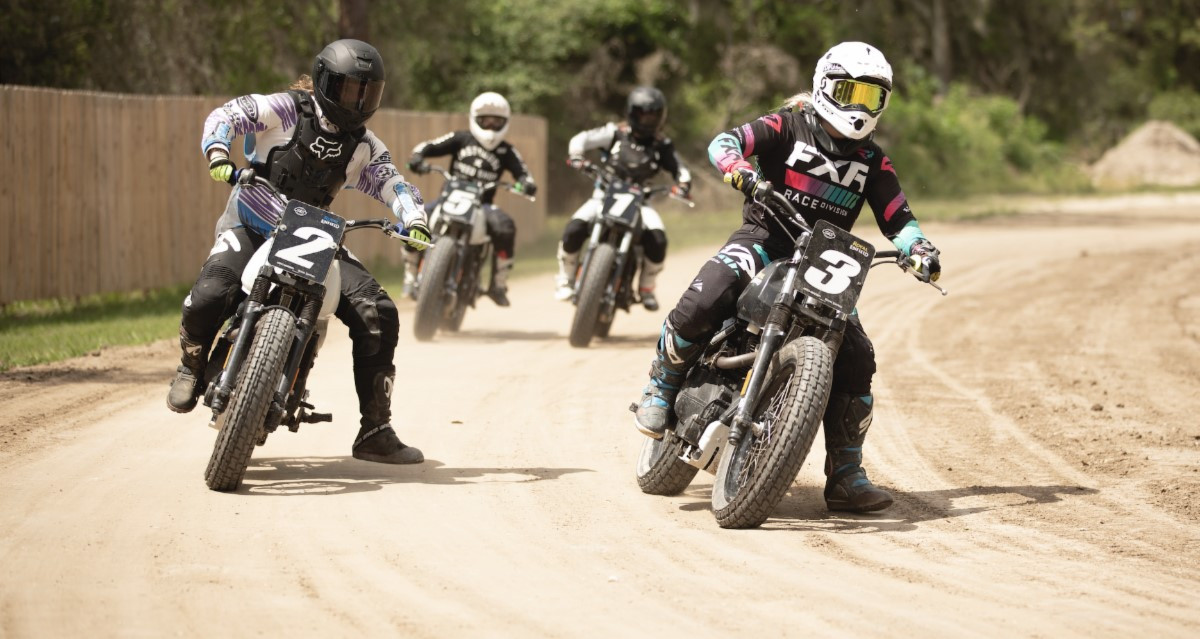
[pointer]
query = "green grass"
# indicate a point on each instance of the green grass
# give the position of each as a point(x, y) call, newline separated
point(53, 330)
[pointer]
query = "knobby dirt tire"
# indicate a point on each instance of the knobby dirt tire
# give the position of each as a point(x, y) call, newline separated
point(591, 295)
point(243, 420)
point(468, 291)
point(431, 298)
point(659, 469)
point(753, 477)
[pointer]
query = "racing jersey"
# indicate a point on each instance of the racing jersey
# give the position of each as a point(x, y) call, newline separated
point(472, 161)
point(270, 121)
point(821, 186)
point(631, 159)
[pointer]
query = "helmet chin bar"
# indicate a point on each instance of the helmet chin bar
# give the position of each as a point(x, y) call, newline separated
point(839, 146)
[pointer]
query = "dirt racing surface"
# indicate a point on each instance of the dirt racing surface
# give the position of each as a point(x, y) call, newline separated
point(1038, 427)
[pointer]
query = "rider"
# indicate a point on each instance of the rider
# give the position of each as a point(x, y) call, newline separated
point(308, 142)
point(818, 151)
point(480, 154)
point(635, 150)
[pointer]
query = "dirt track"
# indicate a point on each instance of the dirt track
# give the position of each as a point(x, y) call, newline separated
point(1038, 427)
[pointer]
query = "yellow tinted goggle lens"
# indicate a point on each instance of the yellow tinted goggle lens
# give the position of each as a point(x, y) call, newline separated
point(850, 93)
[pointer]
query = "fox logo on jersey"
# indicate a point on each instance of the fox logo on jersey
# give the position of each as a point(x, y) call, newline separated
point(325, 149)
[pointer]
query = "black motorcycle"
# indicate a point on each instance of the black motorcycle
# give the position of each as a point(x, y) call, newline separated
point(750, 408)
point(259, 366)
point(607, 277)
point(449, 279)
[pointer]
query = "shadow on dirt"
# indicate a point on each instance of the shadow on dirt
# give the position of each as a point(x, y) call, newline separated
point(626, 341)
point(288, 476)
point(490, 336)
point(804, 508)
point(59, 376)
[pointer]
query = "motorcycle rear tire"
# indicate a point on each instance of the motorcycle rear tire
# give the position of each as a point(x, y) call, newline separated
point(659, 469)
point(591, 295)
point(753, 477)
point(241, 424)
point(431, 299)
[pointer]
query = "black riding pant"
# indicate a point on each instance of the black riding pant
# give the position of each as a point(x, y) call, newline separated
point(364, 307)
point(712, 298)
point(654, 241)
point(500, 227)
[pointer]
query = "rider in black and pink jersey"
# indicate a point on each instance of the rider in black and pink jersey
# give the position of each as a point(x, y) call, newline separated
point(818, 153)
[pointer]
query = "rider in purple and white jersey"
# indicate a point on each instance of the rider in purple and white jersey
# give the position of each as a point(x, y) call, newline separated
point(309, 142)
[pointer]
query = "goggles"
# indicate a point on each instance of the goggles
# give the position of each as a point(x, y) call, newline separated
point(851, 93)
point(491, 122)
point(354, 94)
point(646, 118)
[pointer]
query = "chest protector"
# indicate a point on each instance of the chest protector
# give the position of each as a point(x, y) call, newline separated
point(312, 166)
point(631, 159)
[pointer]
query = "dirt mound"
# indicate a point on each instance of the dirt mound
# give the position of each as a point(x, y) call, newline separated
point(1157, 153)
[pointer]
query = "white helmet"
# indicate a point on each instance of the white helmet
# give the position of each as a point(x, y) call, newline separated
point(489, 119)
point(851, 88)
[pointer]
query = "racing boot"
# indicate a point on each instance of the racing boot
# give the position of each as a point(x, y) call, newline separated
point(412, 262)
point(188, 385)
point(674, 358)
point(847, 488)
point(564, 282)
point(646, 282)
point(499, 289)
point(377, 441)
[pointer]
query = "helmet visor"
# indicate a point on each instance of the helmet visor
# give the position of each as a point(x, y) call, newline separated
point(645, 119)
point(351, 93)
point(852, 93)
point(491, 122)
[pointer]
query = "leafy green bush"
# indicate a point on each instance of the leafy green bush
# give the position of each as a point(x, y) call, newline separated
point(964, 143)
point(1181, 108)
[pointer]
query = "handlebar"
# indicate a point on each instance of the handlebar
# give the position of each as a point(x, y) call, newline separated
point(763, 190)
point(487, 186)
point(247, 176)
point(606, 175)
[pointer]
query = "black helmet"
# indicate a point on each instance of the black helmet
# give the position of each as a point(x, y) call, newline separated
point(348, 82)
point(646, 111)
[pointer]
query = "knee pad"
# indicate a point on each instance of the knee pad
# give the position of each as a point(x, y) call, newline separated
point(654, 245)
point(574, 235)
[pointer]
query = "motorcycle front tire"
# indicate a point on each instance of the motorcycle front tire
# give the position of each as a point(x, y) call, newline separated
point(753, 476)
point(241, 425)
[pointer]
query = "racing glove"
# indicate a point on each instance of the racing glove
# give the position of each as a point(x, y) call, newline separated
point(925, 260)
point(526, 186)
point(221, 169)
point(417, 164)
point(576, 162)
point(681, 189)
point(747, 180)
point(418, 231)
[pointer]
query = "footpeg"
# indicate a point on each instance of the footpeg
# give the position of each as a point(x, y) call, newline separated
point(313, 418)
point(633, 407)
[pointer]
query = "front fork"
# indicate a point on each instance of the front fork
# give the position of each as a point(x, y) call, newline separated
point(778, 323)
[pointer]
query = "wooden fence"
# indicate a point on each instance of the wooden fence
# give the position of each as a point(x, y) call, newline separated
point(107, 192)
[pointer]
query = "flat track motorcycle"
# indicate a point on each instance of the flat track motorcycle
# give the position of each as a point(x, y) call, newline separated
point(750, 408)
point(259, 366)
point(450, 276)
point(607, 277)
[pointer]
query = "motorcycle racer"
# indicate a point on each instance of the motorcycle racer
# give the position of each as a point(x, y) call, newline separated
point(819, 153)
point(636, 150)
point(480, 153)
point(309, 142)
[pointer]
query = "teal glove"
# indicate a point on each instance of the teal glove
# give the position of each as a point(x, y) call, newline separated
point(221, 169)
